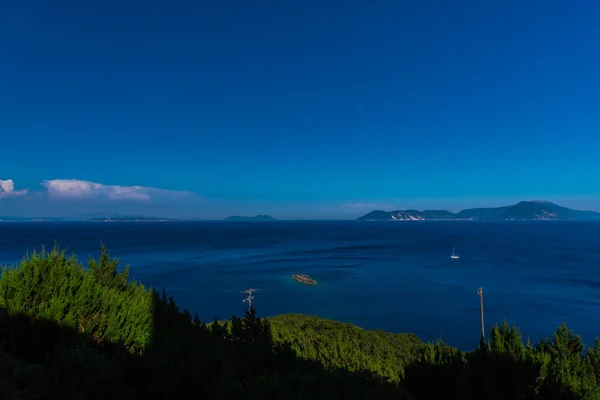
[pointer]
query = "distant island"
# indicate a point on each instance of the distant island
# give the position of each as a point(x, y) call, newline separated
point(86, 218)
point(255, 218)
point(129, 219)
point(524, 210)
point(29, 219)
point(118, 217)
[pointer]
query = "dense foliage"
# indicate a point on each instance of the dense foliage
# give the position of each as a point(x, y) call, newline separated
point(69, 331)
point(505, 368)
point(338, 345)
point(98, 302)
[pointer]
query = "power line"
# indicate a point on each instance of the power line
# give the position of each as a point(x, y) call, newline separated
point(250, 297)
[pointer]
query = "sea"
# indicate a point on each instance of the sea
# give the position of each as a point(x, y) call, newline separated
point(395, 276)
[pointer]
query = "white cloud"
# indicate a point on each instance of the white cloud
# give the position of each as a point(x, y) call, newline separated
point(74, 188)
point(7, 189)
point(7, 185)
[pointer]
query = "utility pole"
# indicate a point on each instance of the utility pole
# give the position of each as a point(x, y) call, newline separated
point(480, 293)
point(250, 297)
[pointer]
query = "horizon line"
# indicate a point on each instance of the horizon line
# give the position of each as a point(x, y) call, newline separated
point(101, 217)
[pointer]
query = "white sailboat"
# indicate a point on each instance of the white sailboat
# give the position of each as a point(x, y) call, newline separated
point(453, 255)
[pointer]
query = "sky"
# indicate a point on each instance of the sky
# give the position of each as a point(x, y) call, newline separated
point(297, 109)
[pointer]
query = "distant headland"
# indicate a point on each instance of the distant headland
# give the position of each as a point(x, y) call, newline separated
point(98, 217)
point(129, 219)
point(524, 210)
point(255, 218)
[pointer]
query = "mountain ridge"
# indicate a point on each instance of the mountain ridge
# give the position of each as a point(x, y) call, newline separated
point(255, 218)
point(524, 210)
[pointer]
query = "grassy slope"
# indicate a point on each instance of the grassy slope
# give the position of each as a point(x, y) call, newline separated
point(336, 344)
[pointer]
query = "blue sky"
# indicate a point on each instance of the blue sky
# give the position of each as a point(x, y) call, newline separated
point(297, 109)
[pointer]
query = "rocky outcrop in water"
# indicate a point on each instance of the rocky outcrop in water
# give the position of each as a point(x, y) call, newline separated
point(302, 278)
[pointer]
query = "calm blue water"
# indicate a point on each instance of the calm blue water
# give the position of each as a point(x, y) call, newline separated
point(395, 276)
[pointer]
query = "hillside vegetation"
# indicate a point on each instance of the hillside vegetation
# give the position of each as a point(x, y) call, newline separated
point(338, 345)
point(70, 331)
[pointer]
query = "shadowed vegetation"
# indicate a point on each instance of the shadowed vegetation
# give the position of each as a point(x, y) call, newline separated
point(69, 331)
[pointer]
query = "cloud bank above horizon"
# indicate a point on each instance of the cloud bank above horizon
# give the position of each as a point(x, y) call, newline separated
point(71, 197)
point(79, 189)
point(63, 197)
point(74, 197)
point(7, 189)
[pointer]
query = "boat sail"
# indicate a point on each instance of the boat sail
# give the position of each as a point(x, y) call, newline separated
point(453, 255)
